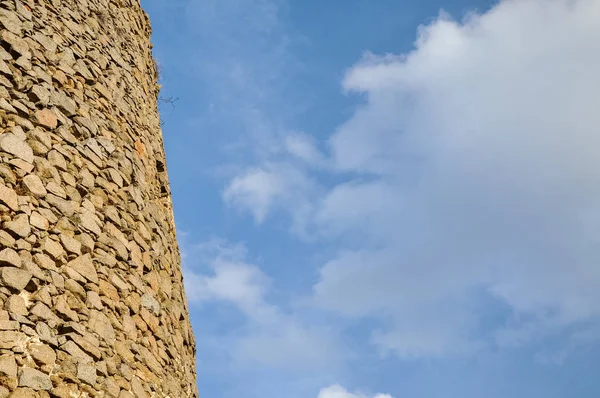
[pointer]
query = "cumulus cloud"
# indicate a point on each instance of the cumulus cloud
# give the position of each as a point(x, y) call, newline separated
point(337, 391)
point(481, 144)
point(477, 178)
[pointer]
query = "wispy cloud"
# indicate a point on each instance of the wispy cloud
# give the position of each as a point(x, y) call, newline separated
point(219, 274)
point(246, 66)
point(337, 391)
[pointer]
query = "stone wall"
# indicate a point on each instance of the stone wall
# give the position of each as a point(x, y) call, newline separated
point(91, 293)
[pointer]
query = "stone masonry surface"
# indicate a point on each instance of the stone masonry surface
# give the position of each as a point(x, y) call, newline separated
point(91, 293)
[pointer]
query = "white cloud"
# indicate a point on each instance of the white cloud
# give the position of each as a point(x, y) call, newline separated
point(477, 178)
point(261, 190)
point(219, 273)
point(255, 191)
point(483, 143)
point(337, 391)
point(232, 279)
point(303, 146)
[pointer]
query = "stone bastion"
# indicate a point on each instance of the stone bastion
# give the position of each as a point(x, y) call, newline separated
point(91, 293)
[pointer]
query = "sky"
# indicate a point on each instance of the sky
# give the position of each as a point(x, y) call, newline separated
point(386, 198)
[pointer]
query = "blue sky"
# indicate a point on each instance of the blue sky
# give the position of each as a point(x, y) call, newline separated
point(386, 199)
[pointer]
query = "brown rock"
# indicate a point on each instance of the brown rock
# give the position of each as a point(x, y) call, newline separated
point(90, 285)
point(46, 118)
point(9, 257)
point(77, 353)
point(19, 226)
point(100, 324)
point(62, 308)
point(16, 146)
point(89, 222)
point(34, 379)
point(9, 325)
point(84, 266)
point(39, 95)
point(42, 353)
point(43, 312)
point(17, 44)
point(70, 244)
point(15, 278)
point(8, 367)
point(15, 304)
point(66, 207)
point(34, 185)
point(6, 239)
point(111, 388)
point(44, 261)
point(9, 197)
point(38, 221)
point(151, 303)
point(53, 248)
point(24, 393)
point(87, 373)
point(10, 339)
point(10, 21)
point(93, 301)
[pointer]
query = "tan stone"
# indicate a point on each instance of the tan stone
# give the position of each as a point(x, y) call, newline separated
point(42, 353)
point(6, 239)
point(24, 393)
point(8, 197)
point(61, 307)
point(15, 304)
point(88, 343)
point(8, 367)
point(70, 244)
point(111, 388)
point(43, 312)
point(84, 266)
point(17, 44)
point(38, 221)
point(34, 379)
point(124, 352)
point(77, 353)
point(10, 21)
point(10, 339)
point(108, 290)
point(46, 118)
point(34, 185)
point(16, 146)
point(44, 261)
point(9, 257)
point(52, 248)
point(93, 301)
point(75, 288)
point(15, 278)
point(9, 325)
point(150, 303)
point(87, 373)
point(66, 207)
point(19, 225)
point(100, 324)
point(89, 222)
point(57, 160)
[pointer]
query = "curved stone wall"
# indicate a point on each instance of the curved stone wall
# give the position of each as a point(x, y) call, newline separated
point(91, 293)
